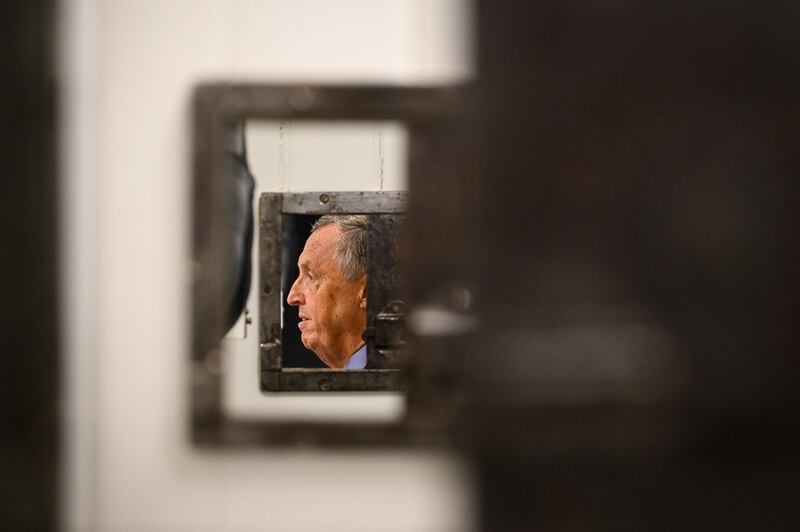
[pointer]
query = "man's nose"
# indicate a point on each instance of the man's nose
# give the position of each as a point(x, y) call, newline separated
point(295, 297)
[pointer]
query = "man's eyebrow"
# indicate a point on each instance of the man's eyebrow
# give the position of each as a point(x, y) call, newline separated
point(308, 264)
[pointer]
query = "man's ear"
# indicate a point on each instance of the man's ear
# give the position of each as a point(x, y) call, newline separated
point(362, 293)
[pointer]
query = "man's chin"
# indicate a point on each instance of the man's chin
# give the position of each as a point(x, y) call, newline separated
point(307, 342)
point(315, 348)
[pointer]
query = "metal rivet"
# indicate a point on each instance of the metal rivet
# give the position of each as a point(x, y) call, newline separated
point(324, 198)
point(325, 385)
point(267, 289)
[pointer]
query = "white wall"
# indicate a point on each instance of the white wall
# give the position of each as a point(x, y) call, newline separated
point(128, 69)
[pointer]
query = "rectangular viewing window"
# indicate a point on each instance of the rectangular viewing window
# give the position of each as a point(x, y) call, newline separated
point(269, 161)
point(337, 315)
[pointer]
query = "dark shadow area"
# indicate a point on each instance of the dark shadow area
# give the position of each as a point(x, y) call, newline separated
point(296, 229)
point(29, 335)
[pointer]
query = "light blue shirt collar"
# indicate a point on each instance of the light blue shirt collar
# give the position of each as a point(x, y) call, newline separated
point(358, 360)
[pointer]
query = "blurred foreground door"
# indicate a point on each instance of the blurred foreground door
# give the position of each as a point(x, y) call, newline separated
point(28, 304)
point(630, 247)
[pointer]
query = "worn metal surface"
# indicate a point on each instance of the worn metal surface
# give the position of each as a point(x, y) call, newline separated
point(412, 105)
point(385, 304)
point(332, 380)
point(220, 104)
point(360, 202)
point(248, 434)
point(389, 326)
point(208, 266)
point(269, 281)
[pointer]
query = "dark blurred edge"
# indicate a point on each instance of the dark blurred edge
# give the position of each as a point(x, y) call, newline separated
point(639, 169)
point(29, 340)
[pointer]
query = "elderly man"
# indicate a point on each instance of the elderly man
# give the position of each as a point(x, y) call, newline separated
point(330, 291)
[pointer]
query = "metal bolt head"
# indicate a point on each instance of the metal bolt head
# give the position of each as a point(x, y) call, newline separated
point(324, 198)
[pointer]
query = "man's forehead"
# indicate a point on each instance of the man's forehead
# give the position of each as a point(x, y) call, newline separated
point(320, 245)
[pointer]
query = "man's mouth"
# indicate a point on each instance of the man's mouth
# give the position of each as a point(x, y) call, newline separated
point(303, 320)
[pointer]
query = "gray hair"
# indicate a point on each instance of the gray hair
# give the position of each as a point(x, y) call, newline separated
point(351, 250)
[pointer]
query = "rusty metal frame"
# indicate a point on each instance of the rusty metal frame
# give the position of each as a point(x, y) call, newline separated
point(216, 106)
point(274, 377)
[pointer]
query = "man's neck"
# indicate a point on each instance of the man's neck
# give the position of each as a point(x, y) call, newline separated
point(348, 350)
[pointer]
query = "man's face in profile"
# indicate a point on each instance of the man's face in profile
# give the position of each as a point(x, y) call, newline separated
point(332, 309)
